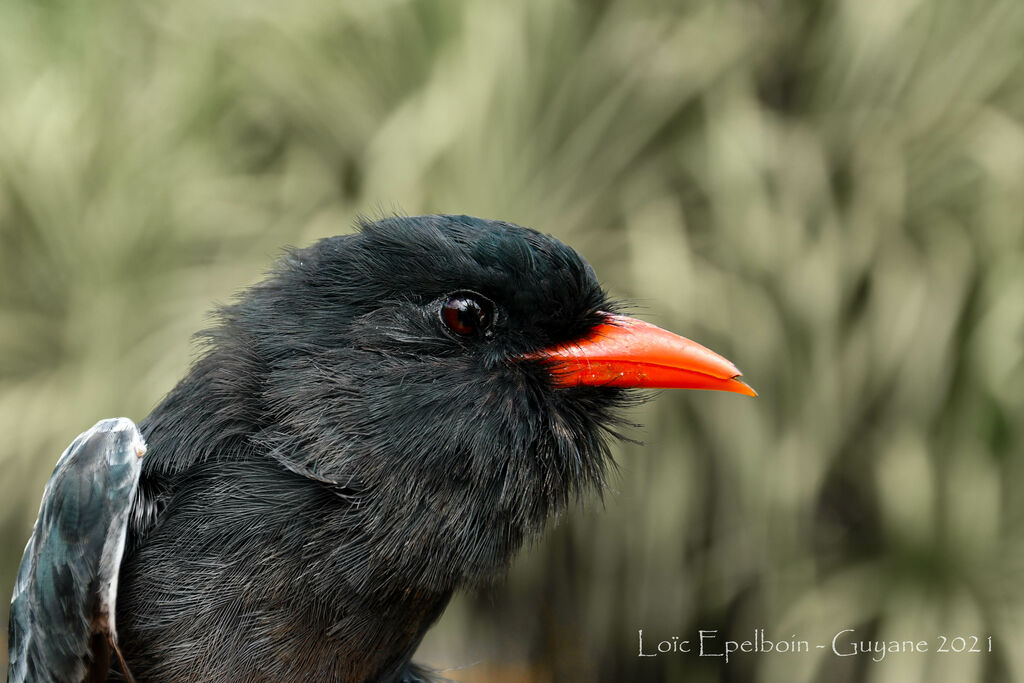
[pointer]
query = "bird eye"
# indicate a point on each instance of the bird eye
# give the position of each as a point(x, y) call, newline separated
point(465, 313)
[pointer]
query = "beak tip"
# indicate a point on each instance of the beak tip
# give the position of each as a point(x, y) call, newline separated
point(743, 388)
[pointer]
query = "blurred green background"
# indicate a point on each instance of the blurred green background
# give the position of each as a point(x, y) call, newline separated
point(830, 194)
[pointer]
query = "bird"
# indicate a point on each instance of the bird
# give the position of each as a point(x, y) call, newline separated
point(382, 421)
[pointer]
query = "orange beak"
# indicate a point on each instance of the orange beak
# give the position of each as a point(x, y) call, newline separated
point(626, 352)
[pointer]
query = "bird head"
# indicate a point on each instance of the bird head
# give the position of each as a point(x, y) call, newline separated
point(456, 377)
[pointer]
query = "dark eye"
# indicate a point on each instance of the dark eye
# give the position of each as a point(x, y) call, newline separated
point(465, 313)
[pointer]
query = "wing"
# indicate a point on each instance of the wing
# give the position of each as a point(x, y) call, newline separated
point(67, 583)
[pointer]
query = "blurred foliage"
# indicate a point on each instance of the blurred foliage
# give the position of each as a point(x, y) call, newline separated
point(830, 194)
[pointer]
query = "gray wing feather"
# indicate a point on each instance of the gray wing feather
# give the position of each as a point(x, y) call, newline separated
point(67, 583)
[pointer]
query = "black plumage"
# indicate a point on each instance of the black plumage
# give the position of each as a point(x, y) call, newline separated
point(381, 422)
point(338, 464)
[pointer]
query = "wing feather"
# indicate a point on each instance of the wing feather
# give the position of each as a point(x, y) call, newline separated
point(66, 588)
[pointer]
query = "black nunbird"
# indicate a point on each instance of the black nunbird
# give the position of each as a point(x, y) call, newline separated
point(381, 422)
